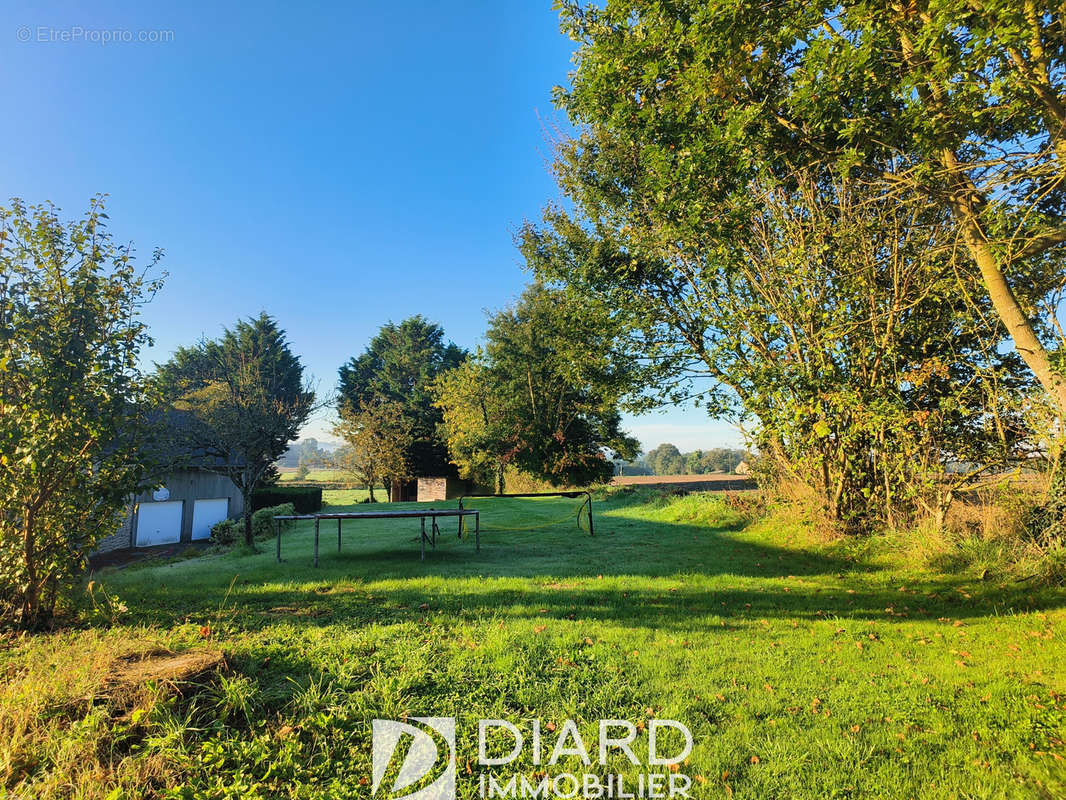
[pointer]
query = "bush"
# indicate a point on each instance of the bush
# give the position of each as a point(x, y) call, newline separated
point(263, 520)
point(305, 499)
point(229, 532)
point(226, 532)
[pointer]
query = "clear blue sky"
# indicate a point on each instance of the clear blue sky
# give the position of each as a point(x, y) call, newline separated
point(337, 165)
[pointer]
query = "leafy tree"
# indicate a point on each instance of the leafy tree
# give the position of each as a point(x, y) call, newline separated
point(665, 459)
point(837, 317)
point(399, 365)
point(378, 438)
point(246, 399)
point(72, 421)
point(547, 387)
point(478, 422)
point(954, 102)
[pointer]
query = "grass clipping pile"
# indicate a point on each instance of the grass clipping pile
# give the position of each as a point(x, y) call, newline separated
point(173, 671)
point(73, 709)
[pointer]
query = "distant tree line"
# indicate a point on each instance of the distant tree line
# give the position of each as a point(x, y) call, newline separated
point(306, 452)
point(666, 459)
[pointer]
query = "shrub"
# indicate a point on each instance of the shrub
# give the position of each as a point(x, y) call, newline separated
point(305, 499)
point(226, 532)
point(263, 519)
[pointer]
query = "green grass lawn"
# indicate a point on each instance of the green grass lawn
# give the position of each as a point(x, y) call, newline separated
point(802, 672)
point(316, 475)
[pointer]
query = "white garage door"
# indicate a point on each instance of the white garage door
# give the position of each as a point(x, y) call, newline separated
point(206, 513)
point(158, 523)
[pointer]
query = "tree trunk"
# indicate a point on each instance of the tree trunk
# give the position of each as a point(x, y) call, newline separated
point(31, 595)
point(1018, 325)
point(370, 486)
point(247, 494)
point(499, 479)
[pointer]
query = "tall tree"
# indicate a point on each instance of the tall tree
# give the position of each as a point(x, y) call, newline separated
point(246, 398)
point(962, 103)
point(836, 318)
point(72, 421)
point(399, 366)
point(479, 421)
point(378, 438)
point(548, 386)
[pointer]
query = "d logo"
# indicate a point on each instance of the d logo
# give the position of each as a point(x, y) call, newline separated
point(422, 755)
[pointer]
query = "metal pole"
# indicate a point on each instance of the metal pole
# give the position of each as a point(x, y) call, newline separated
point(316, 540)
point(460, 518)
point(423, 538)
point(477, 530)
point(591, 531)
point(338, 535)
point(278, 553)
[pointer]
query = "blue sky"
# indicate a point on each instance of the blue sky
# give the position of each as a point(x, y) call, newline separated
point(337, 165)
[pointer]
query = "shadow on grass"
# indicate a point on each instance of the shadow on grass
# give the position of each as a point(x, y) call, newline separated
point(632, 573)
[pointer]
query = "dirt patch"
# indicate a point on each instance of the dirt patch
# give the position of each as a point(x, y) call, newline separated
point(720, 482)
point(118, 559)
point(163, 667)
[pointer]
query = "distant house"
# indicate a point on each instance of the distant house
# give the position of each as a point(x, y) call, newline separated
point(743, 468)
point(183, 506)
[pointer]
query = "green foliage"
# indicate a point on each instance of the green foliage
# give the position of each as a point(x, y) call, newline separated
point(695, 116)
point(665, 459)
point(478, 423)
point(245, 399)
point(72, 400)
point(263, 519)
point(832, 315)
point(305, 499)
point(378, 438)
point(227, 532)
point(399, 366)
point(846, 676)
point(544, 394)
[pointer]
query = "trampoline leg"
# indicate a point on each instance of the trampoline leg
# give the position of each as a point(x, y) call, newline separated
point(316, 541)
point(338, 536)
point(434, 530)
point(460, 525)
point(591, 530)
point(278, 550)
point(477, 531)
point(423, 538)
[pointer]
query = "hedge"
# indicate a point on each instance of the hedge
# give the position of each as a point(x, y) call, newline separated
point(305, 499)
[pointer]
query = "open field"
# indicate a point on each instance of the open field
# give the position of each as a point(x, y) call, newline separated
point(719, 481)
point(316, 475)
point(803, 670)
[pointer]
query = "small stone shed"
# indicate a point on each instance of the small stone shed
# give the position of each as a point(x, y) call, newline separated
point(442, 489)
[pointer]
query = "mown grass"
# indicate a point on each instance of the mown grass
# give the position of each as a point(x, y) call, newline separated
point(803, 670)
point(319, 476)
